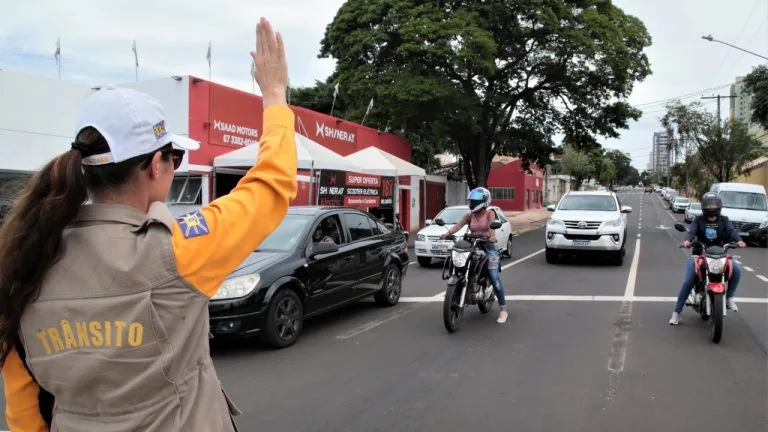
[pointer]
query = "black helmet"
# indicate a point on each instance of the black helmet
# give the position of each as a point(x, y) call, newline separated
point(711, 204)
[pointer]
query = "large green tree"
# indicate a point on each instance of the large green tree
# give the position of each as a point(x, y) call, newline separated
point(722, 147)
point(756, 83)
point(625, 172)
point(486, 78)
point(576, 164)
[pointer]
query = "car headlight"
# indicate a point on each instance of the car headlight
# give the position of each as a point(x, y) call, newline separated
point(764, 224)
point(459, 258)
point(237, 287)
point(715, 265)
point(421, 237)
point(614, 223)
point(556, 222)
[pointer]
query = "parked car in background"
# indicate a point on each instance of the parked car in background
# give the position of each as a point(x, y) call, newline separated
point(429, 245)
point(746, 205)
point(679, 204)
point(293, 276)
point(693, 211)
point(587, 222)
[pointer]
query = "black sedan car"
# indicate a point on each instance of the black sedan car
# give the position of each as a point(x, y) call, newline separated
point(318, 259)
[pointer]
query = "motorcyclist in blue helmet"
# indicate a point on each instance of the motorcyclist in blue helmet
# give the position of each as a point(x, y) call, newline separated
point(479, 220)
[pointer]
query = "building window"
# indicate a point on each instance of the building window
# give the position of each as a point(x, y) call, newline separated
point(506, 194)
point(186, 190)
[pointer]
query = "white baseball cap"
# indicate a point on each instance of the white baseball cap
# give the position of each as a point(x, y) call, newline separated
point(132, 122)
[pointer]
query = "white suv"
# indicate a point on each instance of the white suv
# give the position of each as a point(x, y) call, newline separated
point(584, 222)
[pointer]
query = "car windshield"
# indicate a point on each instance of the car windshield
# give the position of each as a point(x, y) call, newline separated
point(743, 200)
point(451, 216)
point(287, 235)
point(695, 206)
point(588, 203)
point(681, 200)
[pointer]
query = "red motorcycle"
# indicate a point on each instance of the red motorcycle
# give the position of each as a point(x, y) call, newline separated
point(714, 268)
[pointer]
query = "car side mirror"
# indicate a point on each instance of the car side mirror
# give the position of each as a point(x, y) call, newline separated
point(680, 227)
point(324, 248)
point(626, 209)
point(495, 225)
point(428, 222)
point(439, 222)
point(551, 207)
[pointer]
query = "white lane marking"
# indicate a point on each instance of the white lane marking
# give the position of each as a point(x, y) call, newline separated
point(584, 298)
point(749, 269)
point(527, 257)
point(412, 263)
point(638, 235)
point(373, 324)
point(629, 291)
point(762, 278)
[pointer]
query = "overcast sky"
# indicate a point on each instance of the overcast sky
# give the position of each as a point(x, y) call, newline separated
point(172, 38)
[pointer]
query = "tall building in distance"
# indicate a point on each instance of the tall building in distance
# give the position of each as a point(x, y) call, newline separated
point(659, 160)
point(741, 108)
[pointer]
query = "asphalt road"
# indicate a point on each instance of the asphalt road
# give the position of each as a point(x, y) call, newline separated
point(587, 347)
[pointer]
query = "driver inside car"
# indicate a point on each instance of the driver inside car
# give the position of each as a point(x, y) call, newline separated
point(710, 229)
point(322, 231)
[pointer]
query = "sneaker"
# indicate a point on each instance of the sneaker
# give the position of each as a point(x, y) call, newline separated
point(730, 304)
point(676, 318)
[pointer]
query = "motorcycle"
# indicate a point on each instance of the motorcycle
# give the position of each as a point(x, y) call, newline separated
point(714, 269)
point(467, 276)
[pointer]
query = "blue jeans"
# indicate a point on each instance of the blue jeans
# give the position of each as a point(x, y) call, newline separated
point(690, 278)
point(494, 265)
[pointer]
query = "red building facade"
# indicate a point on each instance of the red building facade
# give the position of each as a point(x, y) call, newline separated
point(513, 189)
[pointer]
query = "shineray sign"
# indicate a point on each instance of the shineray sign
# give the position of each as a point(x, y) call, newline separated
point(348, 189)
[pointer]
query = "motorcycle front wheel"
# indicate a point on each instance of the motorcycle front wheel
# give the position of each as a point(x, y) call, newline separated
point(718, 302)
point(452, 313)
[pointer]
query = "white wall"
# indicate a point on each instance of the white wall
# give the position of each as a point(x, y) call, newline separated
point(37, 119)
point(456, 193)
point(173, 96)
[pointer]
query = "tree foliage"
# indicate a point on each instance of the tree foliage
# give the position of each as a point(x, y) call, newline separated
point(576, 164)
point(722, 148)
point(756, 83)
point(490, 78)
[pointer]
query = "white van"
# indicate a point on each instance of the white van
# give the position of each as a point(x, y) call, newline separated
point(746, 205)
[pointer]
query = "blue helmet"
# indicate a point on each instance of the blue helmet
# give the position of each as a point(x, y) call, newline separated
point(478, 198)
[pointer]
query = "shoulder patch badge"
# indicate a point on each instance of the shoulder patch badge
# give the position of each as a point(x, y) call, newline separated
point(193, 224)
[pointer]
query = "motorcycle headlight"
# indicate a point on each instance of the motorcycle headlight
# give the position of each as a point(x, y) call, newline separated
point(459, 258)
point(614, 223)
point(715, 265)
point(237, 287)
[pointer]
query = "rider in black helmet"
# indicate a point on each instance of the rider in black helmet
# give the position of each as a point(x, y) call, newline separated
point(710, 229)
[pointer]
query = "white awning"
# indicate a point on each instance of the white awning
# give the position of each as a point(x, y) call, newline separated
point(376, 161)
point(308, 152)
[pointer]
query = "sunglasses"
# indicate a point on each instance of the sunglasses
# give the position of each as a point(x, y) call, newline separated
point(176, 156)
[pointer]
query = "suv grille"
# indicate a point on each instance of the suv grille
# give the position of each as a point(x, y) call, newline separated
point(589, 226)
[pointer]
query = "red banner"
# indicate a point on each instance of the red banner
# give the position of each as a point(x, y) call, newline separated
point(340, 188)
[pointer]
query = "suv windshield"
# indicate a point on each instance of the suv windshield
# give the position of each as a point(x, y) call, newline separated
point(588, 203)
point(743, 200)
point(451, 216)
point(287, 235)
point(695, 206)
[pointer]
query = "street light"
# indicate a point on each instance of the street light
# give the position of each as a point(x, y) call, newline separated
point(711, 39)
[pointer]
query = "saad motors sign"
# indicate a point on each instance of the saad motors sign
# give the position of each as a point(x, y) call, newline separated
point(235, 118)
point(348, 189)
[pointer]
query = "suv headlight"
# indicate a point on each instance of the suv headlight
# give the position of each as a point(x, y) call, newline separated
point(614, 223)
point(555, 223)
point(237, 287)
point(459, 258)
point(764, 224)
point(421, 237)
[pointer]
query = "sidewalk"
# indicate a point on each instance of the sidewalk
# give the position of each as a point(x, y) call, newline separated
point(528, 220)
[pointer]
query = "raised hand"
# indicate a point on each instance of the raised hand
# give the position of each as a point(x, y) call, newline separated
point(271, 68)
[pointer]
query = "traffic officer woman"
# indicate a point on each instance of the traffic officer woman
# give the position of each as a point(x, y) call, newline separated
point(104, 306)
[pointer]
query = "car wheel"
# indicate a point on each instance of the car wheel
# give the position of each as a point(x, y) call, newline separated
point(424, 261)
point(285, 319)
point(553, 257)
point(391, 287)
point(508, 251)
point(618, 257)
point(763, 243)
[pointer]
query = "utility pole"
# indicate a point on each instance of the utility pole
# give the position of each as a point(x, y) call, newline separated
point(718, 97)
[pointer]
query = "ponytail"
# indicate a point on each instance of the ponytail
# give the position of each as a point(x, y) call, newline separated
point(31, 238)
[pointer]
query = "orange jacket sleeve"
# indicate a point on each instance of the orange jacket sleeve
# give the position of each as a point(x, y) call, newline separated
point(212, 242)
point(22, 406)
